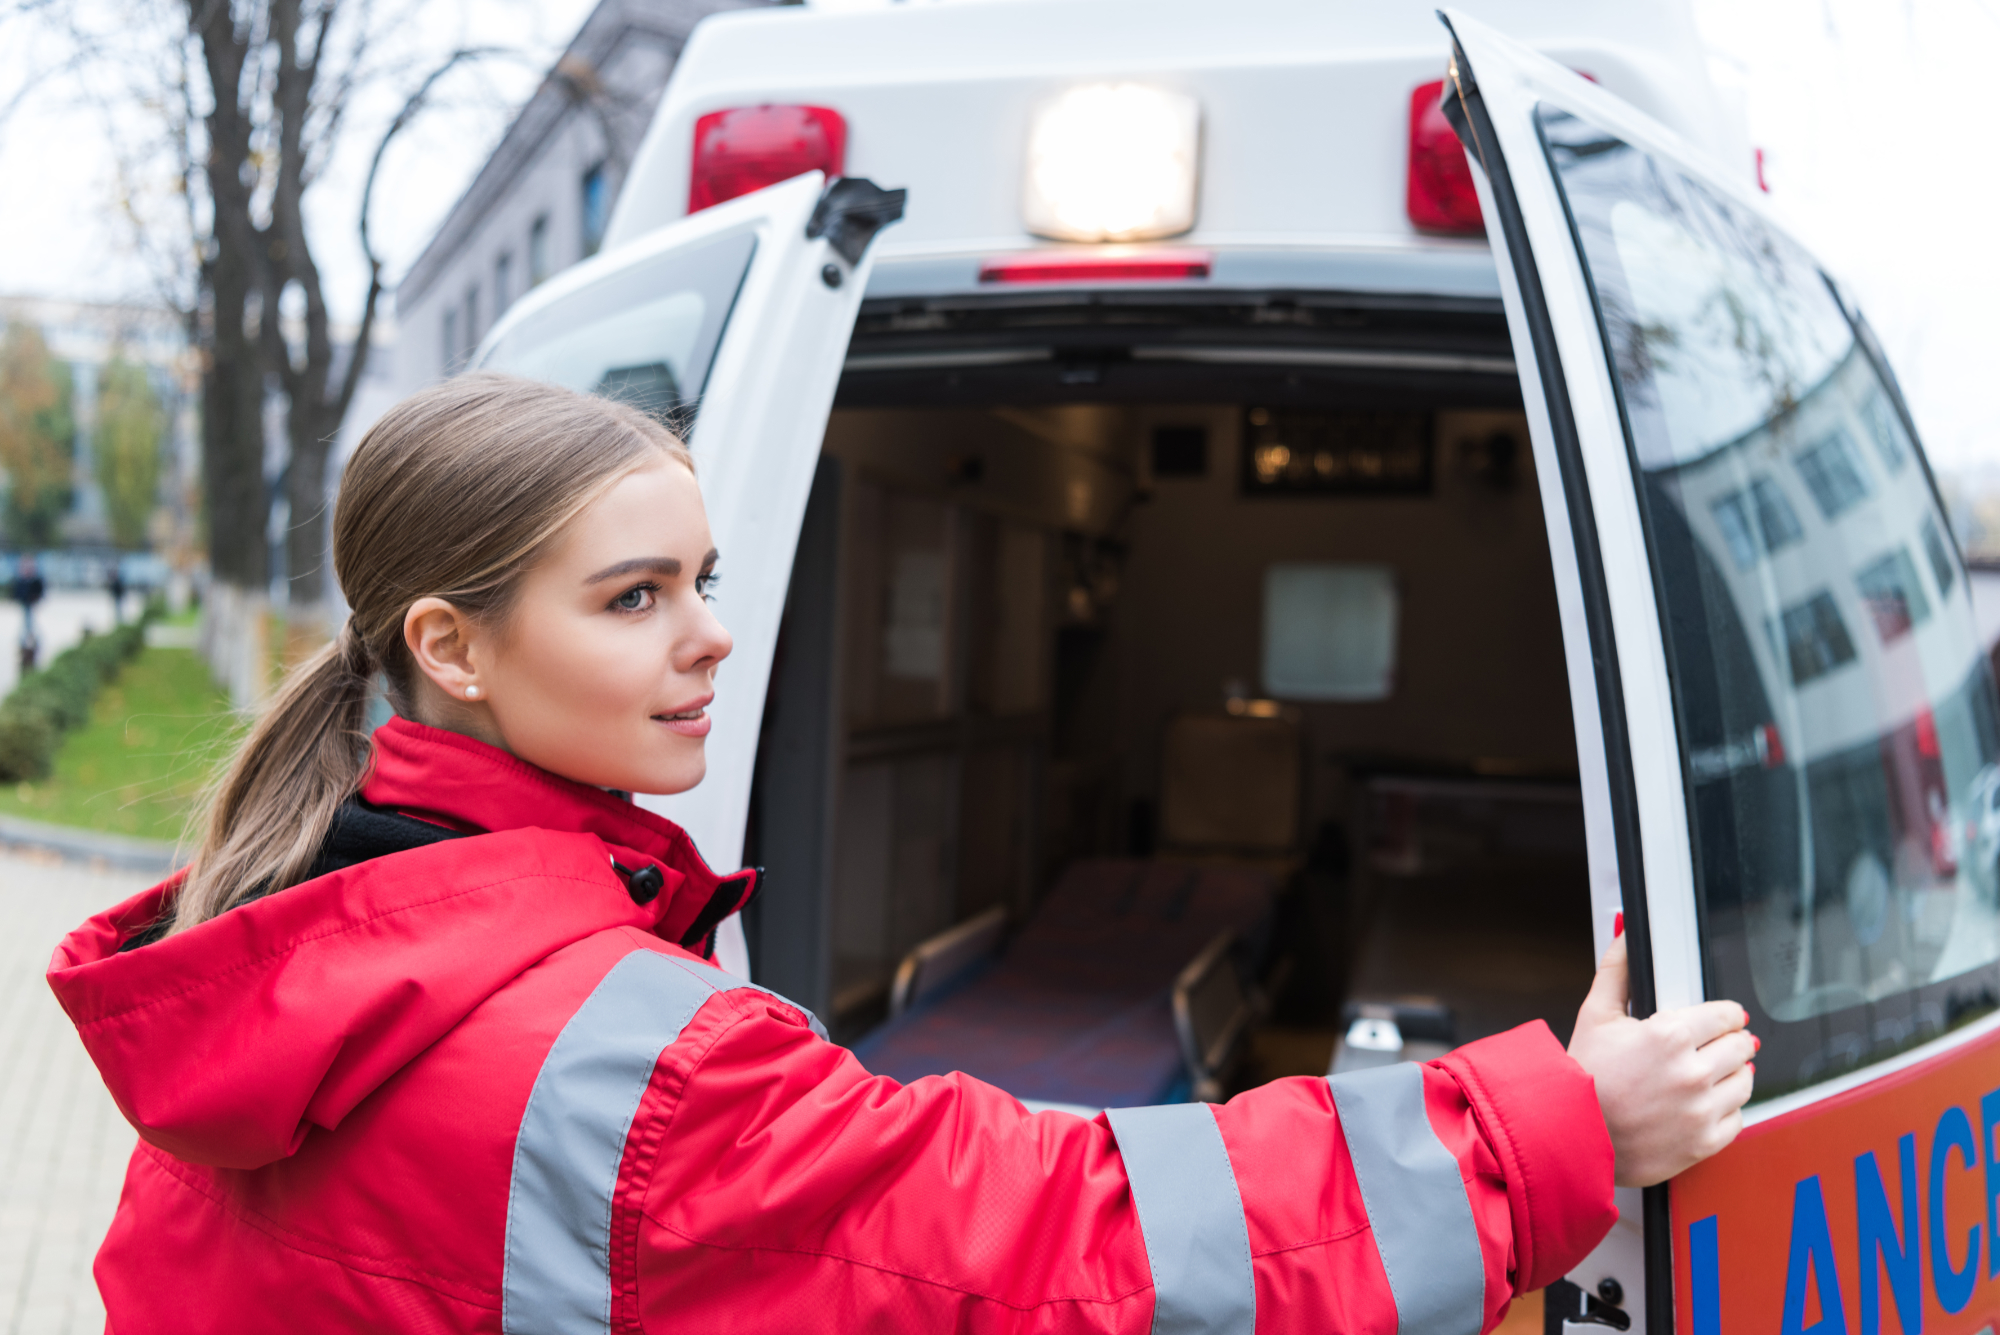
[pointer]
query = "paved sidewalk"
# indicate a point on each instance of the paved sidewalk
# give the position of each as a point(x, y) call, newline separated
point(63, 1145)
point(60, 621)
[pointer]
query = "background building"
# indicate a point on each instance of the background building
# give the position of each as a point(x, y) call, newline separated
point(542, 200)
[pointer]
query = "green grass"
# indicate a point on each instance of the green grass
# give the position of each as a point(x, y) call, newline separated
point(156, 734)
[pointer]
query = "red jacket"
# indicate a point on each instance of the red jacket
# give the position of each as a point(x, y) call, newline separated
point(475, 1086)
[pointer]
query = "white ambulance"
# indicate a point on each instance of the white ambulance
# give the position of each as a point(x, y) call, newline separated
point(1556, 502)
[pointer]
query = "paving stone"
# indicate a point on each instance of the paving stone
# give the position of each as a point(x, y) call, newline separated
point(63, 1144)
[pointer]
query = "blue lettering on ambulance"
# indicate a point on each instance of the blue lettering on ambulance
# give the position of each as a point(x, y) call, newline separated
point(1875, 1230)
point(1953, 1283)
point(1812, 1249)
point(1989, 1117)
point(1704, 1274)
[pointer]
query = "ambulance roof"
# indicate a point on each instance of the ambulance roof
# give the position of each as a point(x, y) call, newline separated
point(1305, 105)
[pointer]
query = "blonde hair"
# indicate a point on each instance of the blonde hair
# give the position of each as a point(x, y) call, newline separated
point(453, 494)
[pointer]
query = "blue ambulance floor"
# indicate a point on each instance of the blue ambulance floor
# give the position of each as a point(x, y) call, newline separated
point(63, 1145)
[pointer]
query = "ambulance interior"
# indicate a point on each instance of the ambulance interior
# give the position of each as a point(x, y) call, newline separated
point(1084, 609)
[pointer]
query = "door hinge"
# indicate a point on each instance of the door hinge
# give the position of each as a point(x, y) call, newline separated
point(851, 212)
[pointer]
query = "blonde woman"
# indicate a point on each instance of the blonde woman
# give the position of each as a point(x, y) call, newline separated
point(430, 1037)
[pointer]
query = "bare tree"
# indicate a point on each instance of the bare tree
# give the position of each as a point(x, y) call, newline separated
point(245, 103)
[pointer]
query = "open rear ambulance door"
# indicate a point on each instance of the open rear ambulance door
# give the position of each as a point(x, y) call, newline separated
point(735, 319)
point(1786, 724)
point(1635, 822)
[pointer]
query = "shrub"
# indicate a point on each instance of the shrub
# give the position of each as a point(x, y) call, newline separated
point(51, 701)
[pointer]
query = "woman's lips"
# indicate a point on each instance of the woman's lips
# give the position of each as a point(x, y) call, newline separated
point(690, 722)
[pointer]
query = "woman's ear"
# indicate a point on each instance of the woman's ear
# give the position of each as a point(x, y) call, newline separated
point(441, 641)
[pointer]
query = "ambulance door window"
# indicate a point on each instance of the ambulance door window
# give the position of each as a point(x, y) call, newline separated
point(1836, 717)
point(644, 335)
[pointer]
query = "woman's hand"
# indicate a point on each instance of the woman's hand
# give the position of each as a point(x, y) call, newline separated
point(1672, 1086)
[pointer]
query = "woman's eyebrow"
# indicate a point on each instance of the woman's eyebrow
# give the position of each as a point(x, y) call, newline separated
point(648, 565)
point(665, 566)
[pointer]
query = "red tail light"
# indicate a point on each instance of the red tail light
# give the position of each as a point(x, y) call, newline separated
point(1440, 197)
point(748, 148)
point(1096, 266)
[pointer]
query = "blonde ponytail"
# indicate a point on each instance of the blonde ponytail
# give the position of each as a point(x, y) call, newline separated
point(453, 494)
point(275, 804)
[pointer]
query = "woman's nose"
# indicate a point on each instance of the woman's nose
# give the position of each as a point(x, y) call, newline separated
point(707, 641)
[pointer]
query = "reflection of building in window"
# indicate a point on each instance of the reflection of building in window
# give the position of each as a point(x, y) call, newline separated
point(1816, 641)
point(538, 250)
point(1775, 518)
point(1940, 556)
point(503, 282)
point(1732, 515)
point(1887, 431)
point(596, 209)
point(1777, 526)
point(1833, 473)
point(1894, 596)
point(650, 388)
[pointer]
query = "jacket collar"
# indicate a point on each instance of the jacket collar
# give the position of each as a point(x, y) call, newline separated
point(464, 784)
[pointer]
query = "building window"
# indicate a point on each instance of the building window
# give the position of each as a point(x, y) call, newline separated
point(471, 321)
point(1939, 554)
point(1893, 595)
point(1816, 640)
point(451, 345)
point(596, 209)
point(538, 250)
point(503, 283)
point(1833, 473)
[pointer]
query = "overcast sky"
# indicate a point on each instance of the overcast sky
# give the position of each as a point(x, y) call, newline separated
point(1872, 114)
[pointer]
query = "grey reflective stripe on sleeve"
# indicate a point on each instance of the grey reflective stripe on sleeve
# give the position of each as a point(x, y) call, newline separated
point(1191, 1217)
point(724, 981)
point(1417, 1207)
point(557, 1276)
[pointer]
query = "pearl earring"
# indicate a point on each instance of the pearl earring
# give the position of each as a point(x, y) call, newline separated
point(472, 692)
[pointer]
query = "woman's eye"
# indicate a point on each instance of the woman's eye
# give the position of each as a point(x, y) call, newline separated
point(705, 582)
point(635, 599)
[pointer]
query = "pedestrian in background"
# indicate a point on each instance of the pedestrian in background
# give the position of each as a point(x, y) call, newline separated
point(28, 590)
point(430, 1036)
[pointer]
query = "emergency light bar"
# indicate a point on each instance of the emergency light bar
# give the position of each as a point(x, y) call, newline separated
point(747, 148)
point(1096, 266)
point(1113, 162)
point(1440, 197)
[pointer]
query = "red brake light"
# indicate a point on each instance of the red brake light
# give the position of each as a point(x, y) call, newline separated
point(1096, 266)
point(747, 148)
point(1441, 197)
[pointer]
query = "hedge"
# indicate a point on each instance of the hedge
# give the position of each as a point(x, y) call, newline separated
point(51, 701)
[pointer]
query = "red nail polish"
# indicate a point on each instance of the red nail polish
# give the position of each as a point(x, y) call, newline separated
point(1618, 925)
point(1756, 1043)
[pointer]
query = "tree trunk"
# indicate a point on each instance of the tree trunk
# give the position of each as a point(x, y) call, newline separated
point(234, 632)
point(233, 441)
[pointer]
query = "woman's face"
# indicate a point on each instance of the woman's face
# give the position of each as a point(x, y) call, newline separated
point(605, 665)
